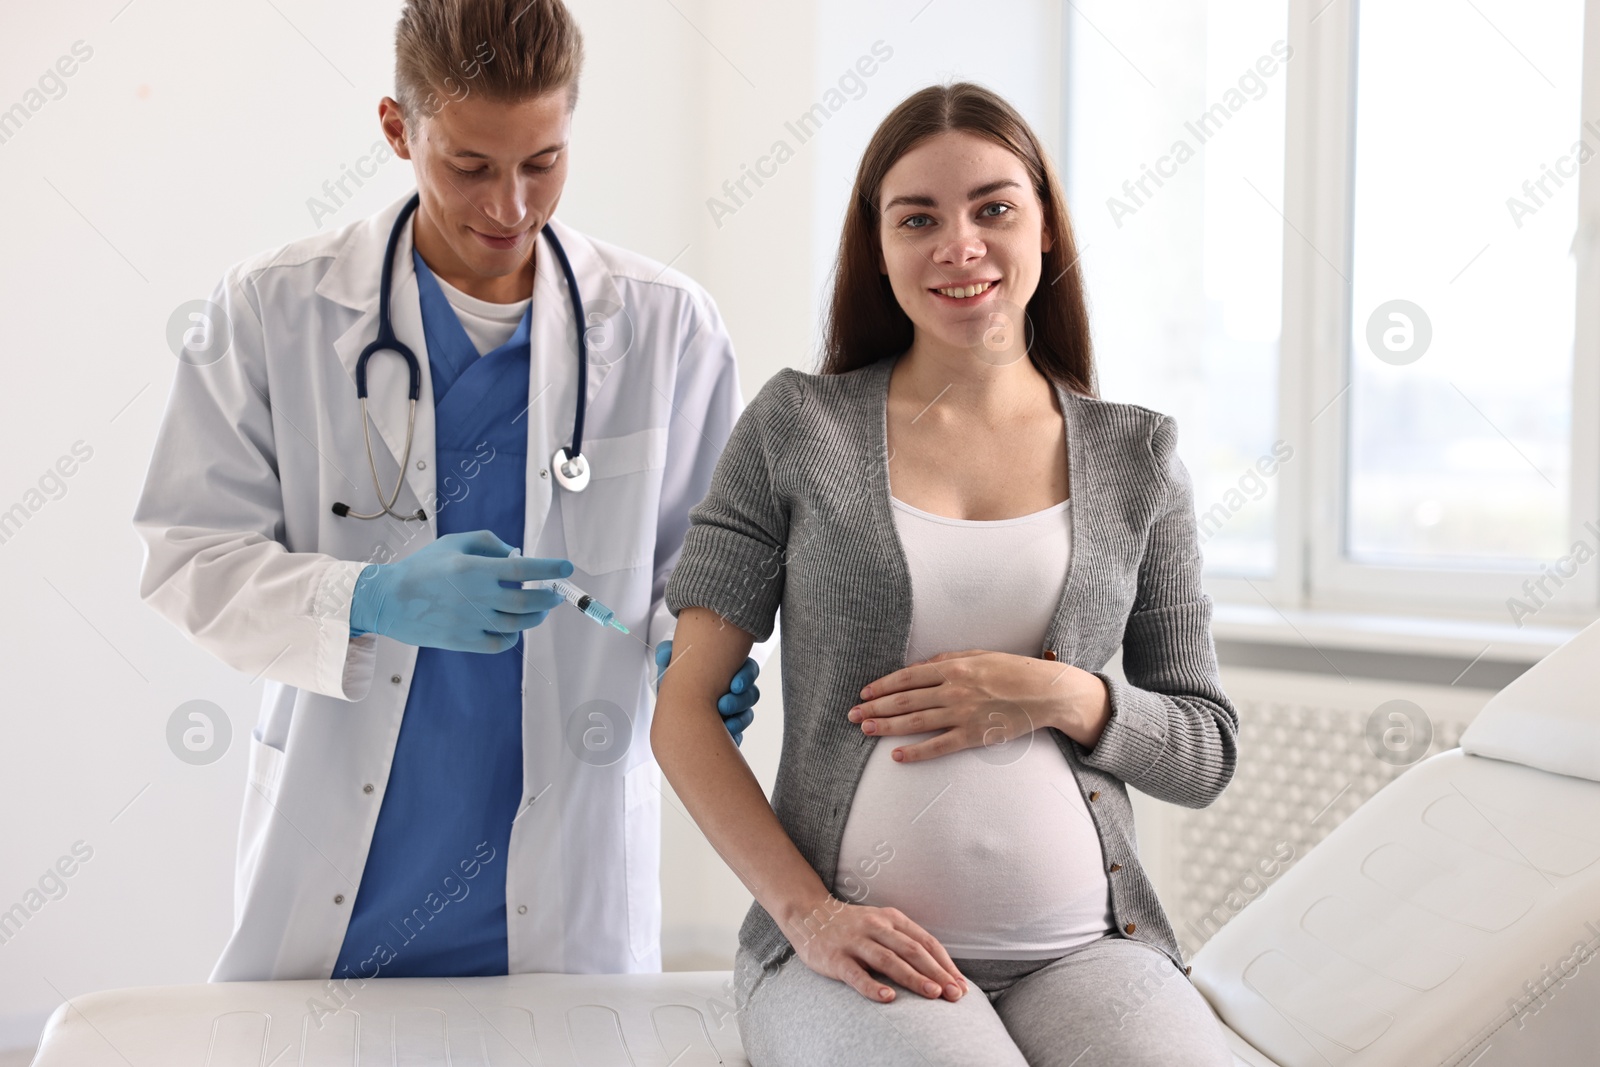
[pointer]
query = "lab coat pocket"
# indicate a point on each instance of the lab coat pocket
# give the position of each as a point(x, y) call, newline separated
point(610, 524)
point(260, 800)
point(643, 851)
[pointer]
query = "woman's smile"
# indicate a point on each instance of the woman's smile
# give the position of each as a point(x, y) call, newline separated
point(968, 295)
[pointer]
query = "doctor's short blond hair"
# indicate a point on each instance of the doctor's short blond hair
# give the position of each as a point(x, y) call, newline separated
point(506, 50)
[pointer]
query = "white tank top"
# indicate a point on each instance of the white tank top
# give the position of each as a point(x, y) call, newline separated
point(991, 850)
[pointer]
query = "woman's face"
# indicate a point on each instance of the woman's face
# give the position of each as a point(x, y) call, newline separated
point(959, 216)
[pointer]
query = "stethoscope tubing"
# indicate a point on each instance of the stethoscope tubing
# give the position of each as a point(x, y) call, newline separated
point(386, 340)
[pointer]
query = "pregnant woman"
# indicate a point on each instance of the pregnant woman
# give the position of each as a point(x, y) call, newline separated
point(960, 536)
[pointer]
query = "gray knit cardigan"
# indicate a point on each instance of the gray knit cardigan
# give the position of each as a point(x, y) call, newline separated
point(798, 514)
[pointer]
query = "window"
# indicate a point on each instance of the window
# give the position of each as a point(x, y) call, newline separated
point(1344, 246)
point(1461, 237)
point(1174, 175)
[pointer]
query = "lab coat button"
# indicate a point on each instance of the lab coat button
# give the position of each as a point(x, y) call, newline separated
point(1129, 928)
point(544, 472)
point(522, 909)
point(367, 788)
point(395, 678)
point(338, 898)
point(422, 464)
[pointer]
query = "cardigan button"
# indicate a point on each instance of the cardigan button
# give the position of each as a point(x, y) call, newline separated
point(1115, 867)
point(1050, 654)
point(1186, 970)
point(1094, 794)
point(1129, 928)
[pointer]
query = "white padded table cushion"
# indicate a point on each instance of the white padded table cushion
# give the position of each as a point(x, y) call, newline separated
point(528, 1020)
point(1549, 716)
point(1407, 935)
point(524, 1020)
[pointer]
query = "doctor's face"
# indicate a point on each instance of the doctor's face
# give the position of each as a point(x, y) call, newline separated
point(490, 174)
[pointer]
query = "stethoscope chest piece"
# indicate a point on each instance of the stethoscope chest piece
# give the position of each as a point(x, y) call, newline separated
point(572, 473)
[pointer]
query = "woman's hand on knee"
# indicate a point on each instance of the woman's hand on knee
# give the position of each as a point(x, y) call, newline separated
point(843, 940)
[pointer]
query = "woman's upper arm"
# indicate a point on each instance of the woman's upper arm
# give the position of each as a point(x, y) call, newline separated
point(1171, 613)
point(1169, 573)
point(706, 651)
point(733, 554)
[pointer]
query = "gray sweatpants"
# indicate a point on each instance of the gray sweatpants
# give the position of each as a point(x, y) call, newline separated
point(1114, 1001)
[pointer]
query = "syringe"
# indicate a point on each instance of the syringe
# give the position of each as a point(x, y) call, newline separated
point(577, 598)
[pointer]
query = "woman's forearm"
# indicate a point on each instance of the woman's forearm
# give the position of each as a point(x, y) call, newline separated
point(714, 782)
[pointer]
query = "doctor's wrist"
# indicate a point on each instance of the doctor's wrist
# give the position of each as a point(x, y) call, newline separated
point(364, 601)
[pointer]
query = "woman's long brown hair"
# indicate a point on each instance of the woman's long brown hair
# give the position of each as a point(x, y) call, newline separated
point(865, 322)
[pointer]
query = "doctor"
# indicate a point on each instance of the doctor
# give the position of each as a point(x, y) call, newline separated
point(451, 775)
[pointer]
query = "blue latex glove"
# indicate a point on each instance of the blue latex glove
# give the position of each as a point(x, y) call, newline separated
point(449, 594)
point(737, 705)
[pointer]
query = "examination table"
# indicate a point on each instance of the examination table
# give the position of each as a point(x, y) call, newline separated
point(1453, 919)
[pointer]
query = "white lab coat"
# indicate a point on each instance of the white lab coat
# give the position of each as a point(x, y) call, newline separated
point(244, 555)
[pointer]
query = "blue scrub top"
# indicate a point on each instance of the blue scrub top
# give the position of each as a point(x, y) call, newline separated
point(432, 900)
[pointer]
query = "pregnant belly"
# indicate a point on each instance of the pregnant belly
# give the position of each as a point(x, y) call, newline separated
point(991, 850)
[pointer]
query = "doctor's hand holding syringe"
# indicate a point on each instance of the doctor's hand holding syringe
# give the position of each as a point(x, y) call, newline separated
point(452, 594)
point(448, 594)
point(578, 598)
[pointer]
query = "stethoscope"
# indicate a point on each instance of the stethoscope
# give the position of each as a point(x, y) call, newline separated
point(570, 467)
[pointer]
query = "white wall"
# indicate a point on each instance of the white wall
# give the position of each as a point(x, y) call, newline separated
point(193, 136)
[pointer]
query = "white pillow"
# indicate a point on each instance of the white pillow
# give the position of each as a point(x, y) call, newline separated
point(1549, 717)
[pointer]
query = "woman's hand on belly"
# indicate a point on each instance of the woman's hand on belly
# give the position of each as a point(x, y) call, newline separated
point(841, 941)
point(980, 698)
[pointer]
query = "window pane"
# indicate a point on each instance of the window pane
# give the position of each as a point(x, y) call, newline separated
point(1466, 153)
point(1175, 148)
